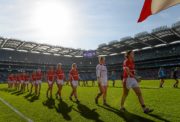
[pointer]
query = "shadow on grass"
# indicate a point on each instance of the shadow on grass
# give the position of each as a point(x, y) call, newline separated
point(28, 95)
point(158, 117)
point(20, 93)
point(149, 87)
point(87, 113)
point(127, 116)
point(64, 109)
point(7, 90)
point(33, 98)
point(50, 103)
point(17, 93)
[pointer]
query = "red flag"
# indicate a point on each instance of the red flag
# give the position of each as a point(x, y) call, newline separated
point(154, 6)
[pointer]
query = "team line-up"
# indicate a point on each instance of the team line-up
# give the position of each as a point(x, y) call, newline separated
point(21, 81)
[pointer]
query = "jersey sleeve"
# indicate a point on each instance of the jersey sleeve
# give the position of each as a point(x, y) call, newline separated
point(98, 71)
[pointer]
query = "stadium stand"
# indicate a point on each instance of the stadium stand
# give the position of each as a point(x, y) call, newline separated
point(160, 48)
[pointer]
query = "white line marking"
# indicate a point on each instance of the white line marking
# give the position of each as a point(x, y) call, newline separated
point(16, 111)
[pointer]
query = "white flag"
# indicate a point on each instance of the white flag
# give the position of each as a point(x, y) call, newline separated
point(154, 6)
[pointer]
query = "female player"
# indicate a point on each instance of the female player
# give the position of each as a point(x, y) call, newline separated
point(113, 77)
point(161, 75)
point(33, 80)
point(101, 72)
point(18, 82)
point(22, 77)
point(175, 73)
point(26, 82)
point(74, 77)
point(59, 79)
point(38, 82)
point(10, 80)
point(50, 78)
point(129, 82)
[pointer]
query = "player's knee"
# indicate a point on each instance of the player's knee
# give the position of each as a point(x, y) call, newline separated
point(139, 94)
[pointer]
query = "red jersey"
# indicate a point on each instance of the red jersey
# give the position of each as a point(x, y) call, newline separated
point(74, 75)
point(60, 74)
point(19, 78)
point(33, 76)
point(14, 78)
point(130, 64)
point(39, 76)
point(50, 75)
point(10, 77)
point(26, 77)
point(22, 77)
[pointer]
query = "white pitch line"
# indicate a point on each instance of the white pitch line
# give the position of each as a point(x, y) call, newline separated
point(16, 111)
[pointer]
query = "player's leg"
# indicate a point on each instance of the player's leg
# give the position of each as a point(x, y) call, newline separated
point(176, 83)
point(124, 96)
point(57, 93)
point(28, 86)
point(47, 92)
point(36, 87)
point(31, 87)
point(99, 94)
point(104, 94)
point(161, 82)
point(75, 85)
point(60, 89)
point(75, 94)
point(113, 83)
point(72, 92)
point(138, 92)
point(59, 85)
point(51, 88)
point(39, 90)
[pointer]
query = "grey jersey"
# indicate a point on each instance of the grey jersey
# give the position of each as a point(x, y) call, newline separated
point(101, 72)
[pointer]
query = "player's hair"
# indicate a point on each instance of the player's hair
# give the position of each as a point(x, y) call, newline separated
point(101, 58)
point(38, 69)
point(59, 64)
point(73, 64)
point(128, 53)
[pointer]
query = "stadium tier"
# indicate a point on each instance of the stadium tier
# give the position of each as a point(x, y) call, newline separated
point(161, 48)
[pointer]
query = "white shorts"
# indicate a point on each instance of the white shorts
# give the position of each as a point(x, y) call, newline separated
point(38, 81)
point(104, 83)
point(22, 81)
point(75, 83)
point(50, 82)
point(26, 82)
point(33, 82)
point(60, 82)
point(131, 83)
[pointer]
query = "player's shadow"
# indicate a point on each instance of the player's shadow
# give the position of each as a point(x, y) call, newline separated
point(87, 113)
point(64, 109)
point(17, 93)
point(28, 95)
point(143, 87)
point(7, 90)
point(50, 103)
point(158, 117)
point(127, 116)
point(33, 98)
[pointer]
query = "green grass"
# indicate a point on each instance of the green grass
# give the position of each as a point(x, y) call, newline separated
point(164, 101)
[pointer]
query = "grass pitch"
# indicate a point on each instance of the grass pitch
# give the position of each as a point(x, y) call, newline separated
point(165, 102)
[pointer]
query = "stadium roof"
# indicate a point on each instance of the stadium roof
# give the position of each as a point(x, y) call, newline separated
point(158, 37)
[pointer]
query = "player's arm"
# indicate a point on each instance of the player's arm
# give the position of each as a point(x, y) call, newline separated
point(98, 73)
point(128, 71)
